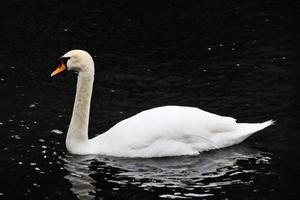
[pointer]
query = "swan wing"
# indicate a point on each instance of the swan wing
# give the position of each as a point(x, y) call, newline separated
point(163, 131)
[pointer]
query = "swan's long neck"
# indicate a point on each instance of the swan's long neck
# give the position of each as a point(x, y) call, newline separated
point(77, 135)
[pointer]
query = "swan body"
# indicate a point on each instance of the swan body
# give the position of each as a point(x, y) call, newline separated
point(158, 132)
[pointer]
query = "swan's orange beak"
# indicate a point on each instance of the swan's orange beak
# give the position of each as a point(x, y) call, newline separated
point(59, 69)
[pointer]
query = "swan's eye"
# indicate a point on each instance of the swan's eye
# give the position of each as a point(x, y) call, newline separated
point(62, 65)
point(63, 60)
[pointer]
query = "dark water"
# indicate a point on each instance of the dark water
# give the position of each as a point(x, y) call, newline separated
point(228, 57)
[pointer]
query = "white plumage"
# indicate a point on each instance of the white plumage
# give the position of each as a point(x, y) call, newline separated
point(158, 132)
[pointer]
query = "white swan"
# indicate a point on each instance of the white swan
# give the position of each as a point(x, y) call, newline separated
point(158, 132)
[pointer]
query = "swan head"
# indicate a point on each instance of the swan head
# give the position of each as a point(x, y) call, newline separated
point(76, 60)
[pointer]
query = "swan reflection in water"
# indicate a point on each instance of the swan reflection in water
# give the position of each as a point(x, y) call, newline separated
point(200, 174)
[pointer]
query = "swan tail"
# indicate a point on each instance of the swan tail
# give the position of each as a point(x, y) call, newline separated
point(250, 128)
point(243, 131)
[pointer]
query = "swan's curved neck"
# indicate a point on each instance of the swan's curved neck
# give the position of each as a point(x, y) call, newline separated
point(78, 130)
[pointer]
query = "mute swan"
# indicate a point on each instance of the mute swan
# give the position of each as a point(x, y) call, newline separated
point(158, 132)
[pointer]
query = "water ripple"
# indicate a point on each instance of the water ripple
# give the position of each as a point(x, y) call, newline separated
point(205, 174)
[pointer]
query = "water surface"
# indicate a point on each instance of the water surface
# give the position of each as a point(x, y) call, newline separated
point(227, 57)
